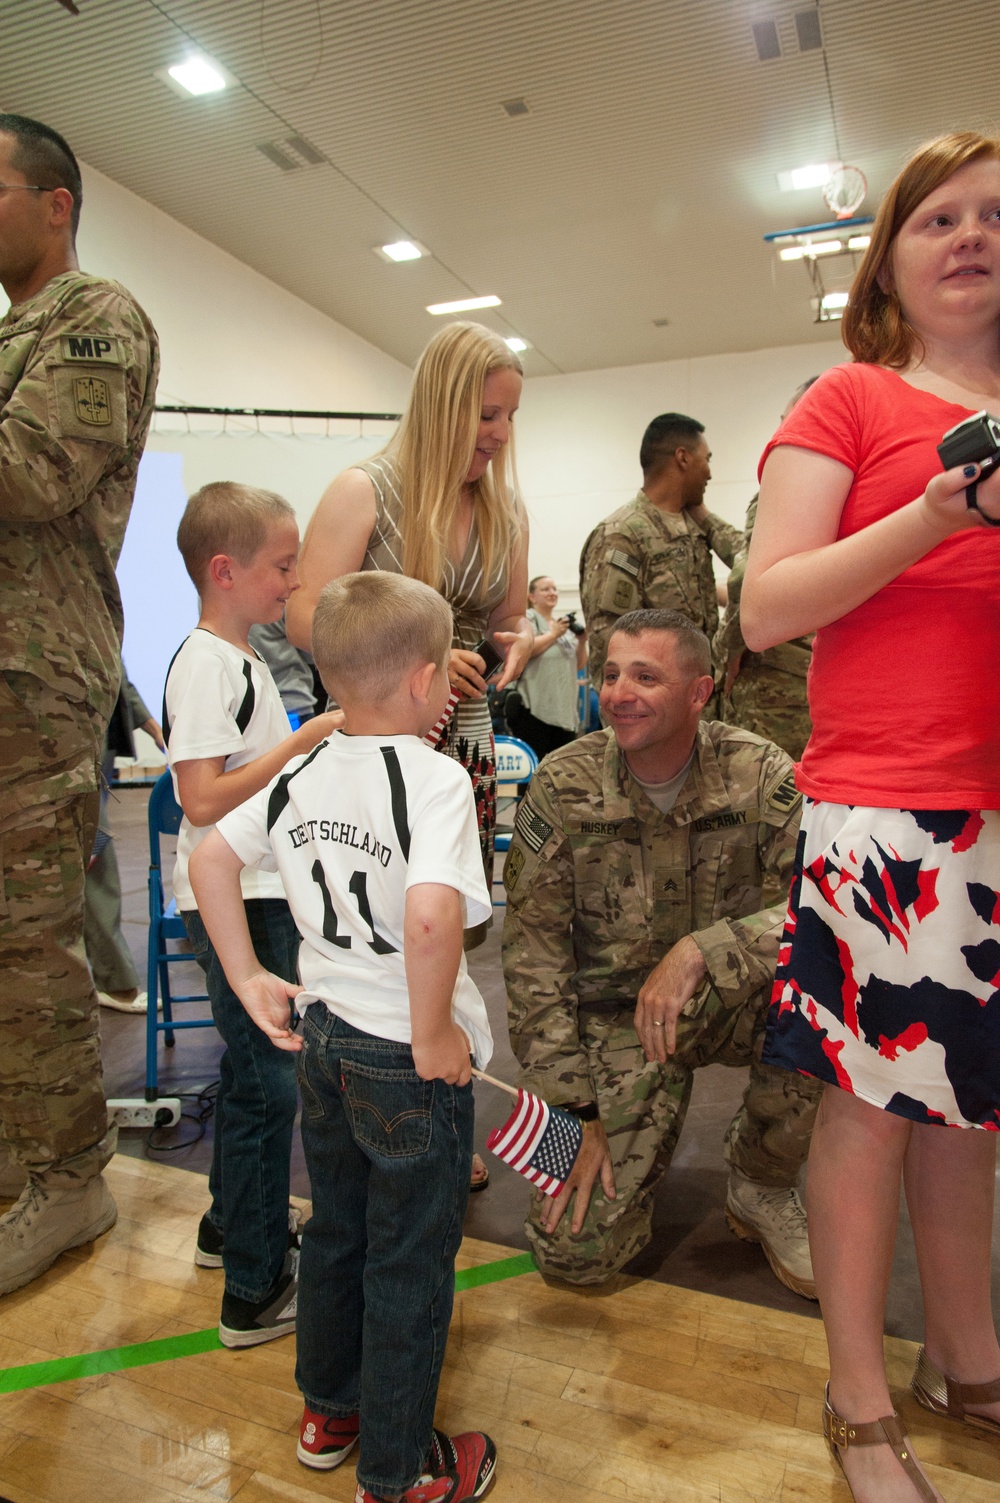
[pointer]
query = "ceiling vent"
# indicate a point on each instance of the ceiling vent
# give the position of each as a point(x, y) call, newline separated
point(807, 31)
point(798, 33)
point(765, 39)
point(292, 153)
point(280, 158)
point(307, 151)
point(515, 108)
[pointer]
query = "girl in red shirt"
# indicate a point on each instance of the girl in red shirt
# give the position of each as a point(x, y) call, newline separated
point(888, 982)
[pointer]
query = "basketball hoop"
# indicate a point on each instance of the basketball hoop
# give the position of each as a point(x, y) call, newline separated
point(845, 191)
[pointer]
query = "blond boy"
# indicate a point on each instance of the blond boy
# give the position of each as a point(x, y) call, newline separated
point(375, 838)
point(227, 735)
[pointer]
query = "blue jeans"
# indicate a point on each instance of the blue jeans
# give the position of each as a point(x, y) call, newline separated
point(254, 1110)
point(389, 1158)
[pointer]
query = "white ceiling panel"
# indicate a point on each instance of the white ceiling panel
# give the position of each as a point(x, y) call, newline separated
point(637, 188)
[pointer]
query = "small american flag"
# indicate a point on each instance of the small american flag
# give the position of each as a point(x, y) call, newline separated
point(539, 1141)
point(437, 730)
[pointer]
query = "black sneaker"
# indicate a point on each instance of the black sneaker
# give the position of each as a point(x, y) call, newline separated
point(245, 1323)
point(209, 1244)
point(208, 1247)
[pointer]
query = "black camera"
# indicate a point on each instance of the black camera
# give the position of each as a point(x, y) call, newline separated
point(573, 624)
point(975, 440)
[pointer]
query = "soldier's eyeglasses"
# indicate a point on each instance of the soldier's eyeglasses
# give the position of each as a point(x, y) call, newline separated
point(24, 188)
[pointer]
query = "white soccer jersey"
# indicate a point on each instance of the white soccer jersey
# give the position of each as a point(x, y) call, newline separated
point(350, 828)
point(219, 702)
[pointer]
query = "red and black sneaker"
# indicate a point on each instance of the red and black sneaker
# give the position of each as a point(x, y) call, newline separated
point(325, 1440)
point(459, 1468)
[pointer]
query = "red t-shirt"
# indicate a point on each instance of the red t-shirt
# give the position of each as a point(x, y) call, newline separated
point(904, 691)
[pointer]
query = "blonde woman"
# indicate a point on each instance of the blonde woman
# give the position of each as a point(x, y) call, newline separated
point(439, 503)
point(884, 989)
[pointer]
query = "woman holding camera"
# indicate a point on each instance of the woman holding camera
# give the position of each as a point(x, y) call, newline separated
point(887, 983)
point(544, 709)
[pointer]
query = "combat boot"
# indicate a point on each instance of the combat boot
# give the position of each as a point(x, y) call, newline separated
point(47, 1221)
point(12, 1177)
point(774, 1218)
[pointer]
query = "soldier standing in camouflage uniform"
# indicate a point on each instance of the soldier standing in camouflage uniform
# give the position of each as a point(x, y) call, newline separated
point(657, 550)
point(646, 887)
point(764, 692)
point(78, 363)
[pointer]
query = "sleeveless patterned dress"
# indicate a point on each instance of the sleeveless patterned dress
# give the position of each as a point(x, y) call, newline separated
point(468, 736)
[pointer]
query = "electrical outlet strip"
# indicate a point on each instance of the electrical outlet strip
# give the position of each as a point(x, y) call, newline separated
point(164, 1112)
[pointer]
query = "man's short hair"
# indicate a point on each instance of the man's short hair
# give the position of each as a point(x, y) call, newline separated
point(372, 628)
point(44, 158)
point(225, 517)
point(693, 648)
point(669, 431)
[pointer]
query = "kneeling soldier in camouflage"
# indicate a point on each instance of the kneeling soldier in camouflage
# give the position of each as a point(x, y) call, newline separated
point(646, 887)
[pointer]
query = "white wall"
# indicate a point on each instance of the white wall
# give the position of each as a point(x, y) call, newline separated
point(231, 338)
point(578, 438)
point(228, 336)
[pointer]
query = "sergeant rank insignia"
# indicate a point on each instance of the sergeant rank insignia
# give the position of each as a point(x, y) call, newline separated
point(92, 400)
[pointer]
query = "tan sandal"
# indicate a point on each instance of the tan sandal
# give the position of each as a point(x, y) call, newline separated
point(841, 1435)
point(942, 1395)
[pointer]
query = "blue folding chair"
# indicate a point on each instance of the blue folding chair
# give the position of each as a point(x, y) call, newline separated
point(165, 923)
point(516, 761)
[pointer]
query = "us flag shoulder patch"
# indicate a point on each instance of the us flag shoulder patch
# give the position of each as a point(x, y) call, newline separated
point(622, 561)
point(532, 828)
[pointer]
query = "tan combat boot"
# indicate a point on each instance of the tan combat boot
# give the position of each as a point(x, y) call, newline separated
point(775, 1219)
point(47, 1221)
point(12, 1177)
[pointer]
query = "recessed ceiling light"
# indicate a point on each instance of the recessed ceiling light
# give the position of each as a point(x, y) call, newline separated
point(464, 305)
point(197, 75)
point(813, 176)
point(834, 300)
point(400, 250)
point(517, 344)
point(859, 242)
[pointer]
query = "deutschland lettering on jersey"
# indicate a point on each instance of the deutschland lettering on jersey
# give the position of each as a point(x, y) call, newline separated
point(339, 833)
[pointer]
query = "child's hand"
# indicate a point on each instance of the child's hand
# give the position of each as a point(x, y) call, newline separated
point(265, 997)
point(313, 731)
point(444, 1056)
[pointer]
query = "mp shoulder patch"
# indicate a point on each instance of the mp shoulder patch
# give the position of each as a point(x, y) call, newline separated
point(99, 349)
point(785, 796)
point(532, 828)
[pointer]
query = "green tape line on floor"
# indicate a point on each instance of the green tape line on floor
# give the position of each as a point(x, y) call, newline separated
point(63, 1369)
point(492, 1273)
point(142, 1353)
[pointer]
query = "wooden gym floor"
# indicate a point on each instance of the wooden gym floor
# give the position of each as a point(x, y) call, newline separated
point(649, 1393)
point(699, 1379)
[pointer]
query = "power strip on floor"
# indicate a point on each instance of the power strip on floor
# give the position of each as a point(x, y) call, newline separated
point(164, 1112)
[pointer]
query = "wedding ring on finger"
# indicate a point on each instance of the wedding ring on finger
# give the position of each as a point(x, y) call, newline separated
point(658, 1024)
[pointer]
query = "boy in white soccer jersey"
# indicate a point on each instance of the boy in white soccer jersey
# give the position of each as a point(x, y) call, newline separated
point(227, 736)
point(375, 838)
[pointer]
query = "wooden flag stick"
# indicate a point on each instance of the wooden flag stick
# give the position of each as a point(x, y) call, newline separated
point(492, 1080)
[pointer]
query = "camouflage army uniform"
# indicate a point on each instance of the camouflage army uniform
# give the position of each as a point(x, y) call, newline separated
point(78, 365)
point(768, 695)
point(642, 557)
point(600, 884)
